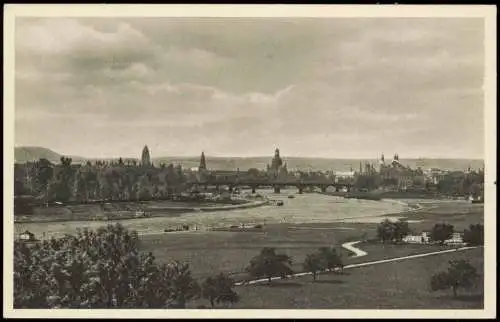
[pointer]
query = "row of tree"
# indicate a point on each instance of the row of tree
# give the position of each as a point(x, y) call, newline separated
point(389, 231)
point(104, 269)
point(269, 264)
point(117, 181)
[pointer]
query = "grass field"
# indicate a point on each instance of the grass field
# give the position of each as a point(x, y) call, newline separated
point(391, 285)
point(397, 285)
point(229, 252)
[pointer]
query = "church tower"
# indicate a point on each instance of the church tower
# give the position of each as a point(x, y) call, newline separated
point(276, 163)
point(145, 158)
point(203, 163)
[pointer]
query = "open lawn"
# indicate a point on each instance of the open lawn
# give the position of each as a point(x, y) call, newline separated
point(396, 285)
point(209, 253)
point(459, 214)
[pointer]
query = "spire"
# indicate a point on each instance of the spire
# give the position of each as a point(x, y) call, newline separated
point(145, 157)
point(203, 164)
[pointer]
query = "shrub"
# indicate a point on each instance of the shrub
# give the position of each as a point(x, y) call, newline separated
point(97, 269)
point(460, 274)
point(270, 264)
point(474, 235)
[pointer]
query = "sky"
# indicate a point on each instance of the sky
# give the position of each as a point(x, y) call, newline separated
point(313, 87)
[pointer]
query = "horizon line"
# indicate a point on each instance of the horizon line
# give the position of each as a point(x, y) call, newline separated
point(387, 156)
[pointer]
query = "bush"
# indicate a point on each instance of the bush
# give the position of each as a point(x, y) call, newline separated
point(474, 236)
point(392, 231)
point(97, 269)
point(441, 232)
point(270, 264)
point(460, 274)
point(219, 289)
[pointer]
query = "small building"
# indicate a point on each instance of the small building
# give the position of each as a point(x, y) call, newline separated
point(423, 238)
point(27, 236)
point(456, 239)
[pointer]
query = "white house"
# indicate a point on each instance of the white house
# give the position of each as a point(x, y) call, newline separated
point(423, 238)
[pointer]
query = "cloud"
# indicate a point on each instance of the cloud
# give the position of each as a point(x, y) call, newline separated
point(313, 86)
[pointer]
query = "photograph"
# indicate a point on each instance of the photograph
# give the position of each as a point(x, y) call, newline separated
point(214, 161)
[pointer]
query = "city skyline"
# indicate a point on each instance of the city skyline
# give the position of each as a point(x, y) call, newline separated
point(324, 88)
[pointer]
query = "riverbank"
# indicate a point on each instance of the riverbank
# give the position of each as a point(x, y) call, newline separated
point(153, 209)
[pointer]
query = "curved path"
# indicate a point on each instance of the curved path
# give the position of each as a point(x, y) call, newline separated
point(350, 247)
point(363, 264)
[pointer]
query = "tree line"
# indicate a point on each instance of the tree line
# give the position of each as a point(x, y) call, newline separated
point(395, 231)
point(97, 181)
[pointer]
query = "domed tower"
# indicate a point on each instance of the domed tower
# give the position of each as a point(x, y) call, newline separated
point(276, 162)
point(145, 158)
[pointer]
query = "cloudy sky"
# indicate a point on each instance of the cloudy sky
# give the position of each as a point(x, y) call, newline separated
point(331, 87)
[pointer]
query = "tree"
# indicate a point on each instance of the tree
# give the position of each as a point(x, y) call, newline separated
point(400, 229)
point(474, 235)
point(97, 269)
point(441, 232)
point(460, 274)
point(270, 264)
point(330, 258)
point(313, 263)
point(392, 231)
point(385, 231)
point(219, 289)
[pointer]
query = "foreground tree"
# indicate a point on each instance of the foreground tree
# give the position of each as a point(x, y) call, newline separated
point(441, 232)
point(313, 264)
point(269, 264)
point(474, 235)
point(97, 269)
point(460, 274)
point(219, 289)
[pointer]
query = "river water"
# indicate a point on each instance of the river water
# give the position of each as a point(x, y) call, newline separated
point(304, 208)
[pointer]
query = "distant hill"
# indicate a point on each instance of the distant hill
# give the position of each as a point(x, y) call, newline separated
point(23, 154)
point(33, 153)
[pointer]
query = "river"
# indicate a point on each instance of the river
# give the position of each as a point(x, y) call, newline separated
point(304, 208)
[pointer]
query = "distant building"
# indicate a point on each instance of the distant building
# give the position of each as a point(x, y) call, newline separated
point(145, 157)
point(396, 174)
point(203, 163)
point(277, 169)
point(417, 239)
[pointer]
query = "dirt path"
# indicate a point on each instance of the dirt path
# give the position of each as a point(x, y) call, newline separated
point(362, 264)
point(350, 247)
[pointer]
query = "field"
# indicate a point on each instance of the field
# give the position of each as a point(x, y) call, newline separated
point(229, 252)
point(390, 285)
point(397, 285)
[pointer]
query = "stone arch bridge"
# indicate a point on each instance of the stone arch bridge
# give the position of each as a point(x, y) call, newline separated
point(276, 184)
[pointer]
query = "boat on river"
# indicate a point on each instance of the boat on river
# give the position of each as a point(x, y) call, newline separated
point(276, 202)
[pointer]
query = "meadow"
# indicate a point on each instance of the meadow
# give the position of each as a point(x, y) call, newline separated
point(402, 284)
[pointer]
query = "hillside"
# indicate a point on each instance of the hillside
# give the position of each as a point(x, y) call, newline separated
point(23, 154)
point(32, 153)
